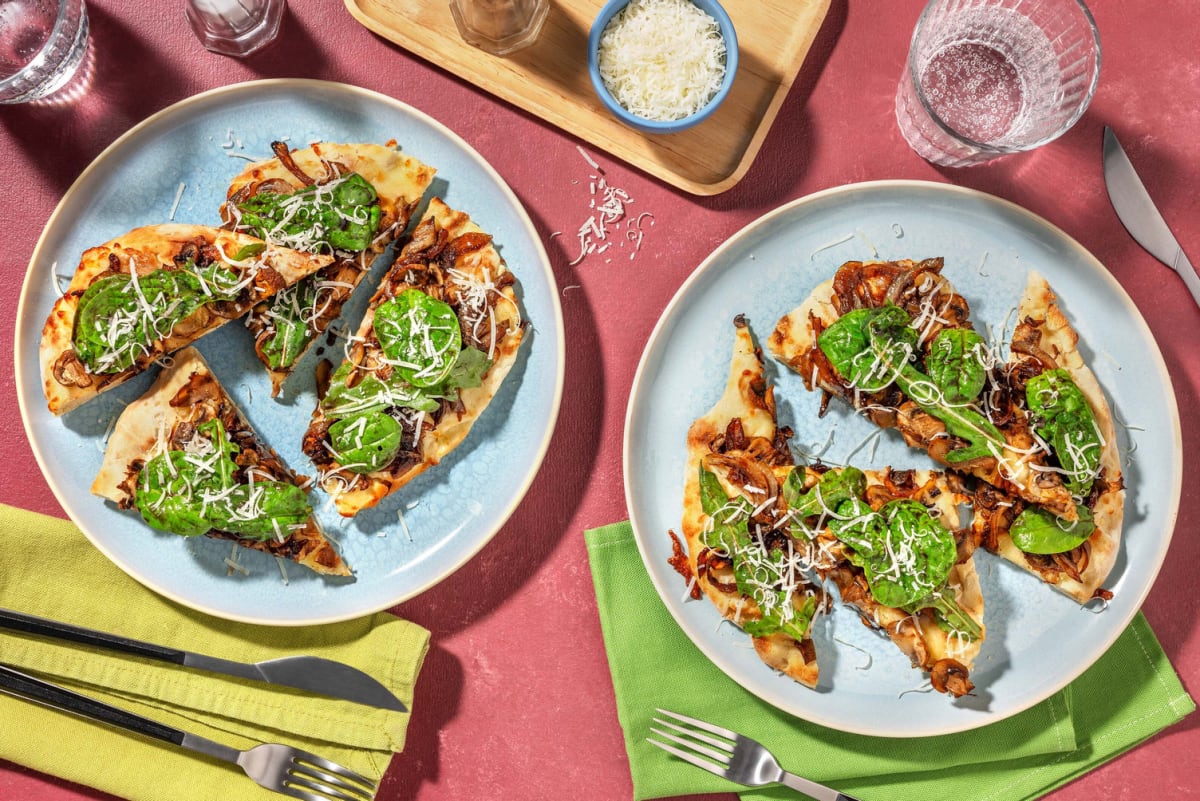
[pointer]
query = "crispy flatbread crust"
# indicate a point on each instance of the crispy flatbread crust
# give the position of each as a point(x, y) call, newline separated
point(150, 248)
point(747, 397)
point(187, 391)
point(400, 181)
point(354, 492)
point(794, 342)
point(1058, 339)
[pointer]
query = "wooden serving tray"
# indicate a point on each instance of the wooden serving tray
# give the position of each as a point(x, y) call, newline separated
point(550, 79)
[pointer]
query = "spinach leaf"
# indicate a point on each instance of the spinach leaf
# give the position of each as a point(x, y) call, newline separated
point(342, 214)
point(372, 394)
point(833, 488)
point(290, 311)
point(1062, 417)
point(956, 364)
point(420, 336)
point(1037, 531)
point(266, 510)
point(366, 443)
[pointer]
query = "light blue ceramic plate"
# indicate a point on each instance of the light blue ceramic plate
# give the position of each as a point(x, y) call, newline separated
point(1037, 639)
point(413, 539)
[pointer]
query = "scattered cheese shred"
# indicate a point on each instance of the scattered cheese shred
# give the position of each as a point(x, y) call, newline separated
point(662, 59)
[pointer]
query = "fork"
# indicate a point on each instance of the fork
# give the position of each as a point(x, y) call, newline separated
point(281, 768)
point(732, 755)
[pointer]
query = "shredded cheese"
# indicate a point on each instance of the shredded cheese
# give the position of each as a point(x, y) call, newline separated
point(662, 59)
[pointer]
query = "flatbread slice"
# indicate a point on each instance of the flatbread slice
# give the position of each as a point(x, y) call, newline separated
point(147, 294)
point(737, 441)
point(1002, 453)
point(184, 456)
point(349, 201)
point(1044, 341)
point(439, 336)
point(943, 646)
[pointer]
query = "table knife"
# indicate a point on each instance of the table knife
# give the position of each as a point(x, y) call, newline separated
point(309, 673)
point(1140, 216)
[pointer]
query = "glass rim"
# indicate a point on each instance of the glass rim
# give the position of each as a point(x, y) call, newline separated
point(65, 7)
point(982, 147)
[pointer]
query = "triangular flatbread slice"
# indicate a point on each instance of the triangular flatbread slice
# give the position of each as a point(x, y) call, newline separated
point(184, 457)
point(1006, 458)
point(346, 200)
point(147, 294)
point(1043, 341)
point(946, 653)
point(738, 442)
point(439, 336)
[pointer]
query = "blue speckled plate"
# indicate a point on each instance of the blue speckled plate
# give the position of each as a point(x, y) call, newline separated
point(1037, 640)
point(413, 539)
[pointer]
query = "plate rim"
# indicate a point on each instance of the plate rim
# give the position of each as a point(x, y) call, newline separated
point(182, 106)
point(668, 596)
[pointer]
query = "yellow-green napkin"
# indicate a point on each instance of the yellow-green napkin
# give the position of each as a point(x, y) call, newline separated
point(49, 569)
point(1129, 694)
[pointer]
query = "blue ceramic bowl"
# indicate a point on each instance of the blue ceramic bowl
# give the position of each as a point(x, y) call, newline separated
point(714, 9)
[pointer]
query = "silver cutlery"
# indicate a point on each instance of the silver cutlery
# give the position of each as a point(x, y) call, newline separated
point(309, 673)
point(1140, 216)
point(732, 755)
point(281, 768)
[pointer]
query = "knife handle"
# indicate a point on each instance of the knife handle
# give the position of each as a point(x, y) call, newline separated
point(20, 685)
point(29, 624)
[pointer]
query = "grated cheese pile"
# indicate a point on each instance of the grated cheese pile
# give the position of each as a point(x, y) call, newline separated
point(662, 59)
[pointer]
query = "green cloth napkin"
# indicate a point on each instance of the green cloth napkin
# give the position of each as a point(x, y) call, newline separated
point(1129, 694)
point(49, 569)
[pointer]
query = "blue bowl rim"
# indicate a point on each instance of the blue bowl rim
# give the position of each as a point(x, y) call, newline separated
point(728, 33)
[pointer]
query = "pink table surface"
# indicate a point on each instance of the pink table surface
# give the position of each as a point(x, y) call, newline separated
point(515, 700)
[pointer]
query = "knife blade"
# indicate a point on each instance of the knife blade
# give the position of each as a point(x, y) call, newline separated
point(309, 673)
point(1140, 216)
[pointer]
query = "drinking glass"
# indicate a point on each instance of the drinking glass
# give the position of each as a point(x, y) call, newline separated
point(986, 78)
point(235, 27)
point(42, 45)
point(499, 27)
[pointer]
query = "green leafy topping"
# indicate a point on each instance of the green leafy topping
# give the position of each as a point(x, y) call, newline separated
point(367, 442)
point(420, 335)
point(1062, 417)
point(906, 557)
point(120, 316)
point(767, 575)
point(834, 487)
point(873, 348)
point(956, 364)
point(249, 251)
point(1037, 531)
point(193, 491)
point(290, 311)
point(342, 214)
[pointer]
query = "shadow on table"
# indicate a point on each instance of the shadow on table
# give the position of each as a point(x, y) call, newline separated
point(435, 704)
point(62, 134)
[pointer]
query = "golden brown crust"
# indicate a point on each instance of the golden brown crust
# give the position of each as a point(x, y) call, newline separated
point(187, 393)
point(400, 181)
point(66, 382)
point(463, 247)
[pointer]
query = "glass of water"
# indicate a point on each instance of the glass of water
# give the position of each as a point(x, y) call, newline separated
point(986, 78)
point(42, 45)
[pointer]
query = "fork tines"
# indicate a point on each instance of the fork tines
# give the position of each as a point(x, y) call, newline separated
point(309, 774)
point(722, 752)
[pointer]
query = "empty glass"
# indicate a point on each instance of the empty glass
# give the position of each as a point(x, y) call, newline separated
point(986, 78)
point(235, 27)
point(42, 45)
point(499, 26)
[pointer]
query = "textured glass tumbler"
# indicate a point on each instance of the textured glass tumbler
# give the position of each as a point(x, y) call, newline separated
point(499, 27)
point(986, 78)
point(42, 45)
point(235, 27)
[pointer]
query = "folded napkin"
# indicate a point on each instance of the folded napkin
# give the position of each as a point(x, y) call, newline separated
point(1129, 694)
point(49, 569)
